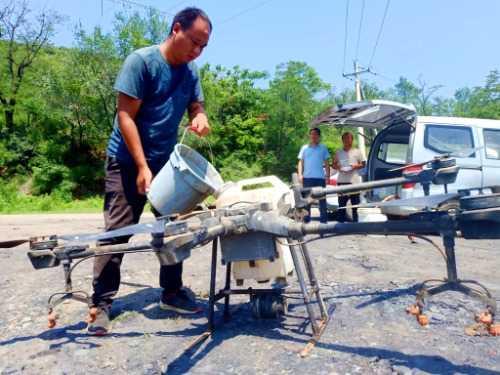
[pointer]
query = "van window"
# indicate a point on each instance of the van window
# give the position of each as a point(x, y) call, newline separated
point(394, 153)
point(492, 143)
point(444, 138)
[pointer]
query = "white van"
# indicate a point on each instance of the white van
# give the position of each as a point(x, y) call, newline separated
point(402, 138)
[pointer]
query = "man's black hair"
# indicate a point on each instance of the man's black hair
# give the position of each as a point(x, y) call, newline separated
point(187, 16)
point(346, 134)
point(315, 130)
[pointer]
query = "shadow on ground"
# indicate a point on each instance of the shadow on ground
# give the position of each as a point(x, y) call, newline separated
point(142, 300)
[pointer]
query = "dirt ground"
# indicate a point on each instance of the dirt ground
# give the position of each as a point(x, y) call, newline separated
point(369, 280)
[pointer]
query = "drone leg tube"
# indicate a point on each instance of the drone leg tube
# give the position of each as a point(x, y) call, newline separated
point(211, 297)
point(313, 280)
point(451, 263)
point(318, 325)
point(303, 288)
point(211, 301)
point(227, 287)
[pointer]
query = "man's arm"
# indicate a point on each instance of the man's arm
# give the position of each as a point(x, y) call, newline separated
point(327, 171)
point(336, 164)
point(126, 112)
point(300, 170)
point(198, 119)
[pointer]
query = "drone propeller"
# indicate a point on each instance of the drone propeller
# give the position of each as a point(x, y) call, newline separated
point(146, 228)
point(407, 166)
point(430, 201)
point(459, 154)
point(12, 243)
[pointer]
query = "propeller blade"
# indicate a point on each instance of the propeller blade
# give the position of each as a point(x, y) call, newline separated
point(430, 201)
point(154, 227)
point(458, 154)
point(12, 243)
point(410, 166)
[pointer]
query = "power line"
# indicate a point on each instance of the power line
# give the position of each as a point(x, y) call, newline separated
point(345, 32)
point(388, 2)
point(140, 5)
point(258, 5)
point(383, 76)
point(176, 5)
point(360, 27)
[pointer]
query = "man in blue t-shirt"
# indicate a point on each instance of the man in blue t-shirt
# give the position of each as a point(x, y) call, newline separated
point(156, 85)
point(313, 168)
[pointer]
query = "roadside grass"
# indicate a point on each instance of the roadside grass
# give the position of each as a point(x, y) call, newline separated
point(14, 201)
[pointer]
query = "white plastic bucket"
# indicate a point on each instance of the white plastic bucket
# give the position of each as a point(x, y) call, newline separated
point(185, 181)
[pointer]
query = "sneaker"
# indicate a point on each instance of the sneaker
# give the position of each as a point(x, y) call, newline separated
point(180, 302)
point(98, 322)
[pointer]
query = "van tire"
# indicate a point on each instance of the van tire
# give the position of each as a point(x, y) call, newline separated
point(480, 202)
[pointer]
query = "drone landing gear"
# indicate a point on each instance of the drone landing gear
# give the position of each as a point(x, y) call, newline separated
point(271, 303)
point(452, 283)
point(68, 294)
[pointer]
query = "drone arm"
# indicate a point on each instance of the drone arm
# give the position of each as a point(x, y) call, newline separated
point(402, 227)
point(318, 193)
point(305, 196)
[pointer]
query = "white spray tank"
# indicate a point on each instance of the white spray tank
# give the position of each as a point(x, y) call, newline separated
point(268, 189)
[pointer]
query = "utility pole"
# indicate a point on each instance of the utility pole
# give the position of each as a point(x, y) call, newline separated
point(358, 70)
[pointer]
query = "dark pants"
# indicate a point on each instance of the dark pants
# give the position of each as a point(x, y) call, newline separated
point(343, 199)
point(312, 182)
point(123, 206)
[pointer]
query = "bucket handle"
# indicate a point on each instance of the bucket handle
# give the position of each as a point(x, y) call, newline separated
point(211, 154)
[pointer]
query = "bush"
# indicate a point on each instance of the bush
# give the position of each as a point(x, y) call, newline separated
point(50, 177)
point(233, 169)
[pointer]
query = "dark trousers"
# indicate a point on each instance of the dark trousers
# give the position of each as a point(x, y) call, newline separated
point(312, 182)
point(123, 206)
point(343, 199)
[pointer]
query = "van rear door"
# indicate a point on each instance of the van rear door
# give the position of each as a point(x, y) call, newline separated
point(394, 122)
point(374, 114)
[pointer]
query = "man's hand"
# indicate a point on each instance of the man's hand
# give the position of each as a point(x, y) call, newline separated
point(358, 166)
point(199, 125)
point(144, 177)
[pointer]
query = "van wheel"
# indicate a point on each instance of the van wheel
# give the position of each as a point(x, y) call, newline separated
point(451, 207)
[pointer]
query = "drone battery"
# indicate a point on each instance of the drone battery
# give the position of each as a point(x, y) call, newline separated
point(257, 256)
point(248, 247)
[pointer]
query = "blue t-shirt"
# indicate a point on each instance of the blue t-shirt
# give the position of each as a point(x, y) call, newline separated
point(313, 158)
point(166, 92)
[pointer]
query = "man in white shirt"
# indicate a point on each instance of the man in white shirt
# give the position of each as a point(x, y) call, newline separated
point(348, 162)
point(313, 168)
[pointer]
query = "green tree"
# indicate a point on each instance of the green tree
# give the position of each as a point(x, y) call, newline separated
point(291, 104)
point(482, 102)
point(24, 38)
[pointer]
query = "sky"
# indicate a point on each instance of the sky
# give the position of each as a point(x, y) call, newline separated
point(454, 43)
